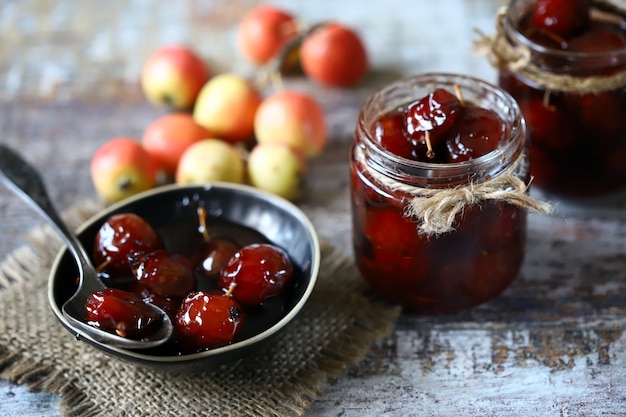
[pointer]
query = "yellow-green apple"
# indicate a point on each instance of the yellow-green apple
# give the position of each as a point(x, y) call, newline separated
point(172, 77)
point(210, 160)
point(263, 32)
point(294, 119)
point(226, 106)
point(334, 55)
point(121, 167)
point(167, 137)
point(277, 168)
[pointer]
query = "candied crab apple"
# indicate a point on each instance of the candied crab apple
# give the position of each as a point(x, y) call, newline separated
point(122, 236)
point(256, 273)
point(389, 130)
point(163, 273)
point(429, 119)
point(562, 18)
point(206, 321)
point(478, 132)
point(215, 252)
point(121, 312)
point(435, 112)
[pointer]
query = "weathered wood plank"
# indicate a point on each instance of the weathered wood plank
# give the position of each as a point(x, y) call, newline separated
point(553, 344)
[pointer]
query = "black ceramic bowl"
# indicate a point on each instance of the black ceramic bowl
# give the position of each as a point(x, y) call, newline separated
point(165, 208)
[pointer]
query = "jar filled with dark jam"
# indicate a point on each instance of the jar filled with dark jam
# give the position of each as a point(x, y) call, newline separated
point(565, 63)
point(439, 195)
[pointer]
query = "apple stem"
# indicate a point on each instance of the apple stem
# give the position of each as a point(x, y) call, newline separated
point(287, 59)
point(120, 329)
point(459, 94)
point(230, 290)
point(202, 224)
point(556, 38)
point(429, 153)
point(103, 265)
point(242, 151)
point(276, 80)
point(546, 100)
point(291, 28)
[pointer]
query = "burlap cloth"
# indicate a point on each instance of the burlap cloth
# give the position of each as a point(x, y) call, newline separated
point(335, 329)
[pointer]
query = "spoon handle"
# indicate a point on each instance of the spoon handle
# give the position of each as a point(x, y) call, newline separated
point(26, 182)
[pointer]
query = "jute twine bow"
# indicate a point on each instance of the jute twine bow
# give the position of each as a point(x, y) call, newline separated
point(436, 209)
point(517, 58)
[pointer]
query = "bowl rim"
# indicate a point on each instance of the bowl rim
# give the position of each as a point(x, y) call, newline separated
point(137, 355)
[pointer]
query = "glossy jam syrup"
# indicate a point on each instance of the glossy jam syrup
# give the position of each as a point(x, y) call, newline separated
point(577, 138)
point(484, 252)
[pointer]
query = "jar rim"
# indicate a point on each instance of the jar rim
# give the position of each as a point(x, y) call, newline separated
point(442, 174)
point(511, 29)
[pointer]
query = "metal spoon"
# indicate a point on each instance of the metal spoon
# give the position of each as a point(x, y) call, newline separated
point(26, 182)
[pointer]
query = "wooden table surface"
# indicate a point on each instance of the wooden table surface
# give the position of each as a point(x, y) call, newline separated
point(554, 344)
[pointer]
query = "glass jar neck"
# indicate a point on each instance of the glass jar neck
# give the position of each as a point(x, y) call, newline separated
point(440, 175)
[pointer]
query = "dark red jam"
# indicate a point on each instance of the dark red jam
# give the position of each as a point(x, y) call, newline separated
point(577, 129)
point(474, 135)
point(219, 282)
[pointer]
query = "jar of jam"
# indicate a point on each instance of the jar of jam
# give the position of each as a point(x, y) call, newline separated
point(439, 225)
point(565, 63)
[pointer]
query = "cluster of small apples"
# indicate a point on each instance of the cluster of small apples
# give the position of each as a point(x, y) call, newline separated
point(223, 127)
point(329, 53)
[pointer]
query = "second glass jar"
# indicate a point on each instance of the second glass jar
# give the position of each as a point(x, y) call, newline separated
point(572, 92)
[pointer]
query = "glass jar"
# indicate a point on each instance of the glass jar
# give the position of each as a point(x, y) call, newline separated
point(573, 102)
point(412, 247)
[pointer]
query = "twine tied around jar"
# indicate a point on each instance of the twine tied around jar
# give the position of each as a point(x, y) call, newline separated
point(501, 53)
point(437, 208)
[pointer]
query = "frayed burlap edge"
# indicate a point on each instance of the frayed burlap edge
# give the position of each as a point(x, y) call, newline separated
point(39, 377)
point(292, 398)
point(17, 269)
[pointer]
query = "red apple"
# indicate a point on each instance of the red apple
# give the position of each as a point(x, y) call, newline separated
point(293, 119)
point(167, 137)
point(263, 31)
point(276, 168)
point(334, 55)
point(172, 77)
point(121, 168)
point(210, 160)
point(226, 106)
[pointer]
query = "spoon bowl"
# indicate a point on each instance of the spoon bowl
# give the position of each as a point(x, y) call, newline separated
point(26, 182)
